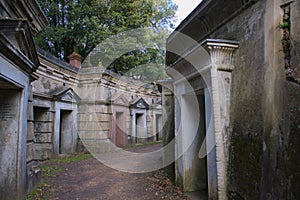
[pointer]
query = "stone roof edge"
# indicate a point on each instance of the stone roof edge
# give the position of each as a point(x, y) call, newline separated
point(198, 13)
point(29, 9)
point(51, 58)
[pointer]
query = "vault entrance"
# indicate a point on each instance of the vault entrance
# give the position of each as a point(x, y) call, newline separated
point(10, 135)
point(140, 122)
point(121, 136)
point(193, 137)
point(66, 132)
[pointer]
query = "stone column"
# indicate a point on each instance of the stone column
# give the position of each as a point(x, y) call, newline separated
point(221, 53)
point(168, 128)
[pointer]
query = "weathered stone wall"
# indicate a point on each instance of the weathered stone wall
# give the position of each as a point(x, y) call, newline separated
point(292, 116)
point(262, 143)
point(33, 172)
point(38, 111)
point(9, 125)
point(246, 123)
point(168, 130)
point(53, 75)
point(263, 112)
point(281, 173)
point(281, 180)
point(104, 95)
point(18, 62)
point(53, 97)
point(43, 131)
point(16, 136)
point(93, 112)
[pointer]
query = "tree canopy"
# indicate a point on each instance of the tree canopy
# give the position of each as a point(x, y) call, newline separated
point(81, 25)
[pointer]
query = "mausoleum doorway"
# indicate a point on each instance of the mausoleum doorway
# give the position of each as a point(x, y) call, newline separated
point(193, 140)
point(121, 136)
point(66, 140)
point(10, 135)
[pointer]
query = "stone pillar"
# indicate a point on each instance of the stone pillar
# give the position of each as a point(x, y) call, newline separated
point(133, 126)
point(33, 172)
point(221, 53)
point(168, 128)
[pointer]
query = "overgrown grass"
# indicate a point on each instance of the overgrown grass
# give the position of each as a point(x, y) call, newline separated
point(49, 170)
point(71, 159)
point(39, 193)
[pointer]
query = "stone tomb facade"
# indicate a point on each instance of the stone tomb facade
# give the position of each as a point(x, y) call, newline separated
point(78, 108)
point(55, 107)
point(49, 107)
point(18, 61)
point(116, 111)
point(236, 109)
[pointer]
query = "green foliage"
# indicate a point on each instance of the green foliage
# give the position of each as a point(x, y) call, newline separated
point(49, 171)
point(40, 193)
point(82, 24)
point(71, 159)
point(165, 174)
point(284, 25)
point(72, 24)
point(139, 52)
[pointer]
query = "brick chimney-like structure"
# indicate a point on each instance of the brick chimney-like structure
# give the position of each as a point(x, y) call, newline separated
point(75, 59)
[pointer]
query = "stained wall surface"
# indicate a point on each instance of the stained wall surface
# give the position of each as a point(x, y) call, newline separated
point(260, 141)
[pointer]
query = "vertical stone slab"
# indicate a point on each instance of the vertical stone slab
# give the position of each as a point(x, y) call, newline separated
point(168, 129)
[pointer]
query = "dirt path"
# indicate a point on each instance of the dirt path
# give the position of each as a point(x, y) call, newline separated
point(90, 179)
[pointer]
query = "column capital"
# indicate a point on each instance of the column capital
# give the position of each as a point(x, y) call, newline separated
point(221, 53)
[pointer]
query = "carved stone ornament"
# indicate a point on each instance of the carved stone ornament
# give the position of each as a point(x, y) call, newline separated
point(221, 52)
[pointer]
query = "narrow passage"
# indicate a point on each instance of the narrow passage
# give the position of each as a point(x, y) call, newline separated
point(90, 179)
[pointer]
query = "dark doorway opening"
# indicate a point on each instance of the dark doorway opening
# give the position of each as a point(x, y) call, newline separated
point(158, 127)
point(139, 121)
point(194, 133)
point(66, 132)
point(121, 136)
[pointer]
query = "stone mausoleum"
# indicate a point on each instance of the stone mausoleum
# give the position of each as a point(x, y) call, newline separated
point(233, 103)
point(49, 107)
point(20, 21)
point(92, 107)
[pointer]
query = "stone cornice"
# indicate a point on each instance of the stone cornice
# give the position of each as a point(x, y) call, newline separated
point(26, 9)
point(221, 52)
point(21, 51)
point(55, 62)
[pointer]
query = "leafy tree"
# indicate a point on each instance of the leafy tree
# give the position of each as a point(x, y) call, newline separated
point(72, 24)
point(79, 25)
point(139, 52)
